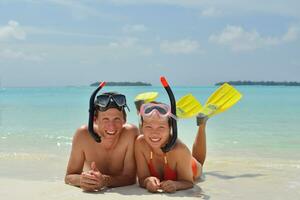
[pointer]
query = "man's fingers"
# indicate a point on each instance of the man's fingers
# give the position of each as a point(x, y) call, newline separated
point(90, 176)
point(89, 188)
point(94, 167)
point(89, 181)
point(98, 174)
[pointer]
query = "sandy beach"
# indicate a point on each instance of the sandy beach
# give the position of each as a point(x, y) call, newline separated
point(225, 178)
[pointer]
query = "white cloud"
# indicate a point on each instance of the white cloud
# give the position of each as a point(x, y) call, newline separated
point(282, 8)
point(78, 9)
point(52, 31)
point(134, 28)
point(12, 31)
point(287, 7)
point(292, 34)
point(126, 45)
point(237, 39)
point(179, 47)
point(9, 54)
point(84, 9)
point(211, 12)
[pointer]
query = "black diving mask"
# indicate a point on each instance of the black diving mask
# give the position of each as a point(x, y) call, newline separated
point(106, 101)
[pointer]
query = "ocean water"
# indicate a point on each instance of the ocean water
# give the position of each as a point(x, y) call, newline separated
point(38, 123)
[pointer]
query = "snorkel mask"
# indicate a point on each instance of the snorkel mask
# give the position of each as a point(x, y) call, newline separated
point(163, 111)
point(103, 102)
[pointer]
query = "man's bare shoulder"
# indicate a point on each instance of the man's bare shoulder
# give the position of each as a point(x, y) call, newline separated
point(81, 134)
point(131, 131)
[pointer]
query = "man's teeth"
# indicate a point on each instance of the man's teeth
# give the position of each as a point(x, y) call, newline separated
point(110, 132)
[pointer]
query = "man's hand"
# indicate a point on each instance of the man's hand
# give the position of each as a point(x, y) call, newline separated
point(152, 184)
point(168, 186)
point(92, 180)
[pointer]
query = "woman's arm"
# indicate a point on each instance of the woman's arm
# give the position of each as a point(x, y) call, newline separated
point(141, 162)
point(183, 160)
point(151, 183)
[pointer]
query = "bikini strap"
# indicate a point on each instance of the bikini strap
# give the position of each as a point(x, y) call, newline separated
point(165, 157)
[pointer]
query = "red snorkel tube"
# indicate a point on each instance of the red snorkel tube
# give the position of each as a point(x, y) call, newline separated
point(96, 137)
point(173, 139)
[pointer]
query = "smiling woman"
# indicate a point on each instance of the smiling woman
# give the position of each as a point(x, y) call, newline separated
point(172, 170)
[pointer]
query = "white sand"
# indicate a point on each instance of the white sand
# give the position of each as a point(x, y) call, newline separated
point(225, 178)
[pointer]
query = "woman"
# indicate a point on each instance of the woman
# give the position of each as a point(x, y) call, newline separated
point(176, 169)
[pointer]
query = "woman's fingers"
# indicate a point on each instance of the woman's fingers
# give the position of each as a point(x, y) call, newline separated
point(168, 186)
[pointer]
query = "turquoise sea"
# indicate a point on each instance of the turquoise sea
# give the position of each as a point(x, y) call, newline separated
point(37, 124)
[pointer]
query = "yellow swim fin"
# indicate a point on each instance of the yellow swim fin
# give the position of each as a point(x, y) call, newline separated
point(187, 106)
point(222, 99)
point(145, 97)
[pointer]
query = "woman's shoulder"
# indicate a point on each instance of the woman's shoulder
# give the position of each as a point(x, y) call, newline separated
point(140, 143)
point(140, 140)
point(180, 148)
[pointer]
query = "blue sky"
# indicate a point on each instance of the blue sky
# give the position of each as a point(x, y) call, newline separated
point(191, 42)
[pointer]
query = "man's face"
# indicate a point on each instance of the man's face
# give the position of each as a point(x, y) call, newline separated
point(110, 123)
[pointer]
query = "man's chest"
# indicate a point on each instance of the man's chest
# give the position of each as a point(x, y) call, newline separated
point(108, 162)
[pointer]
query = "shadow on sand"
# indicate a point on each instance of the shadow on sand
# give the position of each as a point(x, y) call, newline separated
point(219, 174)
point(135, 190)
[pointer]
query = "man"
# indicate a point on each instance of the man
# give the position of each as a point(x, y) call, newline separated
point(111, 162)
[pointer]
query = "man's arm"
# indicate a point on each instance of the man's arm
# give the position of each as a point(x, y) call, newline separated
point(128, 175)
point(76, 161)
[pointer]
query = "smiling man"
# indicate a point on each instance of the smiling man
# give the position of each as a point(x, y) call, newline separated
point(110, 163)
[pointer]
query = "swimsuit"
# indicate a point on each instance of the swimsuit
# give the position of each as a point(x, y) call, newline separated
point(169, 174)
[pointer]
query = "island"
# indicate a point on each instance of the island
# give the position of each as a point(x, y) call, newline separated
point(139, 83)
point(263, 83)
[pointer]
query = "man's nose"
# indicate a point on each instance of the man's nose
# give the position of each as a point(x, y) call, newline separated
point(111, 125)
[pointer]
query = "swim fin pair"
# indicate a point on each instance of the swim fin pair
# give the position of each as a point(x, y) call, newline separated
point(188, 106)
point(221, 100)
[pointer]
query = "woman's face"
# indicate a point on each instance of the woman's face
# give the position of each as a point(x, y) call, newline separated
point(156, 131)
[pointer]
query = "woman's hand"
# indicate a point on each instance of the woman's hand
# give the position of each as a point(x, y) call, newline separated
point(152, 184)
point(168, 186)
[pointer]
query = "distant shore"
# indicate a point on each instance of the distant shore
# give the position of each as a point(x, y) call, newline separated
point(264, 83)
point(123, 84)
